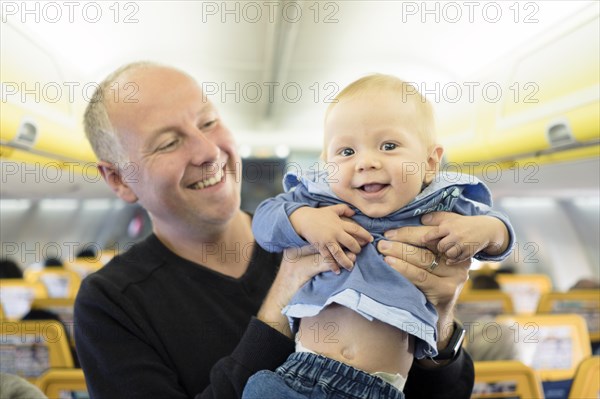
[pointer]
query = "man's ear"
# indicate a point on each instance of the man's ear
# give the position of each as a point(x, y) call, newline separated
point(433, 162)
point(112, 177)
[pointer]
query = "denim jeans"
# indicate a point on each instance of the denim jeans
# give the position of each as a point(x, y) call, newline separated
point(306, 375)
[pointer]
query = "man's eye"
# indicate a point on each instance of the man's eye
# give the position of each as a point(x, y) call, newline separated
point(388, 146)
point(168, 145)
point(346, 152)
point(208, 124)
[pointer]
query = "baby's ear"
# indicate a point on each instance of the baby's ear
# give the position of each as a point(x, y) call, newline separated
point(433, 162)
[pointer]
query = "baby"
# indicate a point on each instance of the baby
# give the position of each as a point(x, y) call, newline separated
point(366, 322)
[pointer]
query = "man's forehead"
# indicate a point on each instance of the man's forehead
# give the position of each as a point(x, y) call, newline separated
point(153, 78)
point(150, 87)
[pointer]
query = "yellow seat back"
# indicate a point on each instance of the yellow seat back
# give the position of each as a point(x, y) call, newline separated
point(482, 304)
point(60, 383)
point(59, 282)
point(17, 295)
point(31, 347)
point(84, 266)
point(587, 379)
point(552, 345)
point(62, 307)
point(505, 379)
point(525, 290)
point(582, 302)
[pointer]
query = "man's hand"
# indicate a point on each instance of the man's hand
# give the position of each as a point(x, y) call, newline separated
point(297, 267)
point(441, 286)
point(331, 234)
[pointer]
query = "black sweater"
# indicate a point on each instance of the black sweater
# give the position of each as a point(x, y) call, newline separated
point(151, 324)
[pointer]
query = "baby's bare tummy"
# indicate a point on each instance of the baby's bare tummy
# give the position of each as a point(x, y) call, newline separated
point(343, 335)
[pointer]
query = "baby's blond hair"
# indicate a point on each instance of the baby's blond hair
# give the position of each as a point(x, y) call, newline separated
point(424, 120)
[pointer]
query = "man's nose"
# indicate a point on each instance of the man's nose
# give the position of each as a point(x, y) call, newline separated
point(203, 149)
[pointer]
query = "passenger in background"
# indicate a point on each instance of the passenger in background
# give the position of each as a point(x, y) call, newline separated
point(14, 387)
point(173, 317)
point(53, 262)
point(87, 252)
point(484, 282)
point(506, 269)
point(488, 340)
point(586, 284)
point(10, 269)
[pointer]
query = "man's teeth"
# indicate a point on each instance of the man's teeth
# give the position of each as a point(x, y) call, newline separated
point(209, 182)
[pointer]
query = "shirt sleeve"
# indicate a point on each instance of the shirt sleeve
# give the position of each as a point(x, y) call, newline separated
point(511, 239)
point(271, 223)
point(229, 376)
point(467, 205)
point(452, 381)
point(121, 361)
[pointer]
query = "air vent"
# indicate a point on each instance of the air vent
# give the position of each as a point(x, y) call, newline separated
point(26, 135)
point(560, 134)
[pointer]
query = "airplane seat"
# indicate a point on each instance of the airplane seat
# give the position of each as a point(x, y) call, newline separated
point(525, 290)
point(556, 389)
point(505, 379)
point(30, 347)
point(587, 379)
point(59, 282)
point(477, 305)
point(60, 309)
point(553, 345)
point(84, 266)
point(60, 383)
point(585, 302)
point(17, 296)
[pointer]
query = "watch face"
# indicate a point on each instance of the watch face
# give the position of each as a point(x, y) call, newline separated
point(454, 344)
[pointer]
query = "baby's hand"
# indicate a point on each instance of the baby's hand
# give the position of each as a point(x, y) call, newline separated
point(325, 229)
point(460, 237)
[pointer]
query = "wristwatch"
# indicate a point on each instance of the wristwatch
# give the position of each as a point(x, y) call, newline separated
point(456, 341)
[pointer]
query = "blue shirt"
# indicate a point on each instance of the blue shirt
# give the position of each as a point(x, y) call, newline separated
point(372, 288)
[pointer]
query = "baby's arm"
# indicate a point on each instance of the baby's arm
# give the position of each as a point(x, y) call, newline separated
point(326, 229)
point(273, 229)
point(460, 237)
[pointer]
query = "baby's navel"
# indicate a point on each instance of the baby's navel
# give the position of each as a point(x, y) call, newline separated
point(348, 353)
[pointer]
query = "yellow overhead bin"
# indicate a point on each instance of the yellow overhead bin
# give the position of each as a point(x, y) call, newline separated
point(545, 106)
point(38, 108)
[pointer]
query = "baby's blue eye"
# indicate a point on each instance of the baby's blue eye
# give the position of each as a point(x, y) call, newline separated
point(346, 152)
point(388, 146)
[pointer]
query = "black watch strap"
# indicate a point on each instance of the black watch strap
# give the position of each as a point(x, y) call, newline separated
point(454, 345)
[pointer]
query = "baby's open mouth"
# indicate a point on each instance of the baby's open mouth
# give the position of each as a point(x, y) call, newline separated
point(373, 187)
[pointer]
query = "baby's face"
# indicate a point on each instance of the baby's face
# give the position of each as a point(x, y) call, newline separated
point(379, 160)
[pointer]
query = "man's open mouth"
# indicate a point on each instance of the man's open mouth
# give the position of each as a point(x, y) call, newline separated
point(211, 181)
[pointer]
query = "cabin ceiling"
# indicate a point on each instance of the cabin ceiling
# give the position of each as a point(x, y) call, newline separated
point(235, 53)
point(310, 49)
